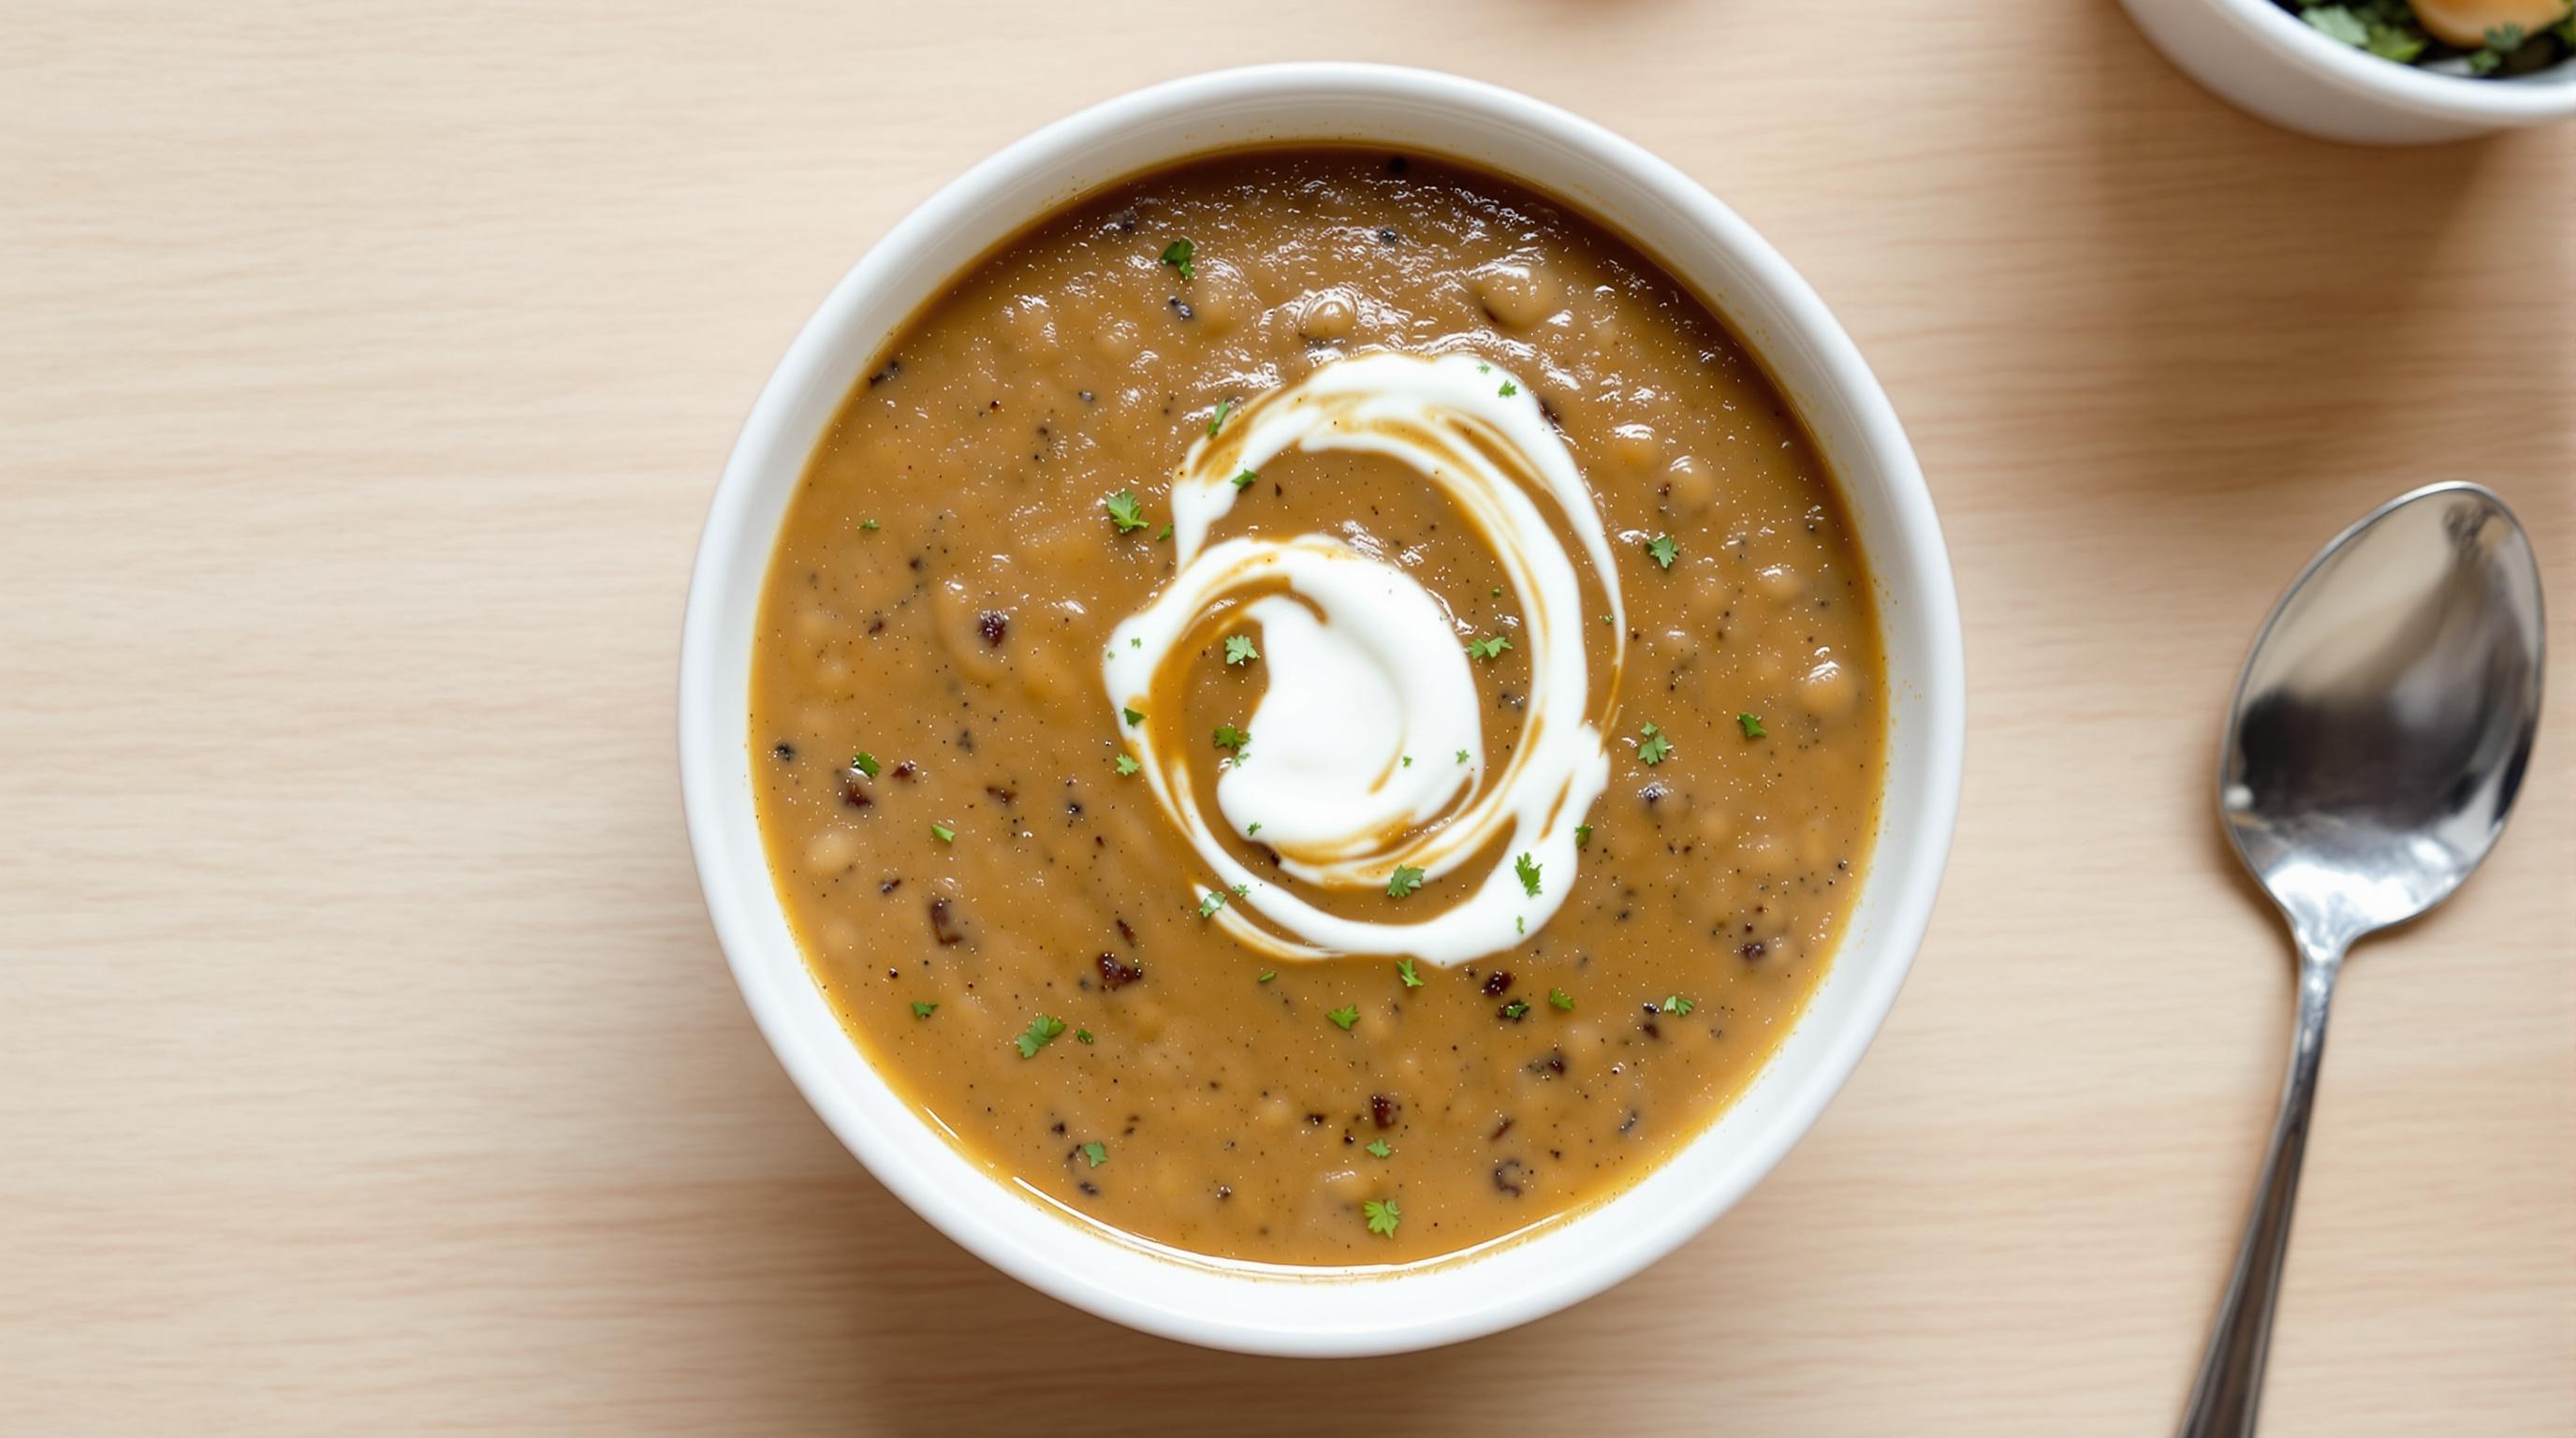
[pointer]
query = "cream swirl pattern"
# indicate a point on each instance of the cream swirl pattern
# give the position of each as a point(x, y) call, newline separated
point(1367, 667)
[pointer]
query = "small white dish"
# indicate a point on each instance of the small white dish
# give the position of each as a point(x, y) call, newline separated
point(1359, 1310)
point(2271, 64)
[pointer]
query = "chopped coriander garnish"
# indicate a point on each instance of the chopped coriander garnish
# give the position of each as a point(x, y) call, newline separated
point(1520, 923)
point(1462, 756)
point(1124, 511)
point(945, 834)
point(1490, 647)
point(1508, 390)
point(866, 763)
point(1097, 1152)
point(1133, 717)
point(1177, 255)
point(1229, 737)
point(1214, 901)
point(1239, 650)
point(1752, 725)
point(1582, 835)
point(1404, 971)
point(1656, 749)
point(1224, 407)
point(1254, 829)
point(1126, 764)
point(1403, 881)
point(1382, 1217)
point(1136, 643)
point(1408, 761)
point(1162, 534)
point(922, 1010)
point(1662, 550)
point(1484, 369)
point(1498, 591)
point(1240, 889)
point(1515, 1008)
point(1041, 1032)
point(1560, 1000)
point(867, 524)
point(1527, 872)
point(1266, 976)
point(1084, 1035)
point(1245, 480)
point(1344, 1017)
point(1676, 1004)
point(1379, 1148)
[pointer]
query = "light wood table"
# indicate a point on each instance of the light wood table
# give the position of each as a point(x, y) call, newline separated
point(366, 1062)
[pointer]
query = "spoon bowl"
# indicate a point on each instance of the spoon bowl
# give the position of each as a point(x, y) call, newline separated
point(2377, 740)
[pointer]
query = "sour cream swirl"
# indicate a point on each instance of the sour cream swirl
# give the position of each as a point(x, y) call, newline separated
point(1367, 667)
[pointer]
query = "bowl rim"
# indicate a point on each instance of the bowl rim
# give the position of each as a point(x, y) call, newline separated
point(1907, 864)
point(2538, 95)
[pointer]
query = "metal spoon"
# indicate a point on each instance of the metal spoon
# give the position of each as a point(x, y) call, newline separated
point(2379, 733)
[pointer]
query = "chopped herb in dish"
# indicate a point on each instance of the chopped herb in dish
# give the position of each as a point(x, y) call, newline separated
point(1403, 881)
point(1656, 748)
point(943, 833)
point(1246, 480)
point(1560, 1000)
point(1127, 764)
point(866, 763)
point(1344, 1017)
point(1124, 511)
point(1177, 255)
point(1662, 550)
point(1382, 1217)
point(1404, 971)
point(1239, 650)
point(1229, 737)
point(1676, 1004)
point(922, 1010)
point(1096, 1152)
point(2469, 39)
point(1224, 407)
point(1040, 1032)
point(1379, 1148)
point(1527, 873)
point(1489, 647)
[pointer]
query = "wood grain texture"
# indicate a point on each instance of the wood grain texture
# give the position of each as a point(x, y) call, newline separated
point(366, 1061)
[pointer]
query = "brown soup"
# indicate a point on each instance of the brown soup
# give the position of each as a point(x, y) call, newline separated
point(1526, 893)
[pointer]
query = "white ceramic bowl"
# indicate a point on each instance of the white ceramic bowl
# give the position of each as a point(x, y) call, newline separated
point(1357, 1310)
point(2268, 62)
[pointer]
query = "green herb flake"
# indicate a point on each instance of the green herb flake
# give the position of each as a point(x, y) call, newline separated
point(1177, 255)
point(1404, 970)
point(1229, 737)
point(868, 524)
point(1508, 390)
point(1751, 724)
point(1490, 647)
point(1133, 717)
point(1382, 1217)
point(1041, 1032)
point(2337, 22)
point(1162, 534)
point(1096, 1152)
point(1214, 901)
point(922, 1010)
point(1266, 976)
point(1560, 1000)
point(1408, 761)
point(944, 834)
point(1676, 1004)
point(1239, 650)
point(1462, 756)
point(1527, 873)
point(1255, 829)
point(1124, 511)
point(1403, 881)
point(1662, 550)
point(1379, 1148)
point(1082, 1035)
point(1246, 480)
point(1656, 748)
point(1344, 1017)
point(1515, 1008)
point(1126, 764)
point(1582, 835)
point(866, 763)
point(1224, 407)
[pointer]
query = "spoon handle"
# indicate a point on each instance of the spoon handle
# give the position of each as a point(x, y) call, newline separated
point(2230, 1386)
